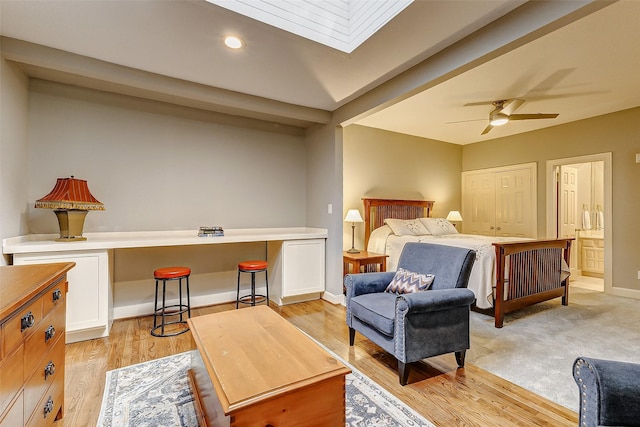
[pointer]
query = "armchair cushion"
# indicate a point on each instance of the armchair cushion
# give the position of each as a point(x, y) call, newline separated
point(376, 310)
point(406, 282)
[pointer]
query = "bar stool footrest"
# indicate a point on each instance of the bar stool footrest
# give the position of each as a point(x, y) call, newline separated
point(247, 299)
point(170, 334)
point(172, 310)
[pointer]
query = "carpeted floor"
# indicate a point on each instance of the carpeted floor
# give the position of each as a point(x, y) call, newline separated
point(537, 346)
point(157, 394)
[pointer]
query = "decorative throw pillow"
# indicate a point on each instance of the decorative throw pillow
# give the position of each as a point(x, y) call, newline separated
point(402, 227)
point(438, 226)
point(406, 282)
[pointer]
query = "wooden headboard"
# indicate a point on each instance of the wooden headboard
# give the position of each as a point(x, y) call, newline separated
point(377, 210)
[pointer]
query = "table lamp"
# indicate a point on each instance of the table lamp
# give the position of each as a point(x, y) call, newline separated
point(71, 200)
point(353, 216)
point(454, 216)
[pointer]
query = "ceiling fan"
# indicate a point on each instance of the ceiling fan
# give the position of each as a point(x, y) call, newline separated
point(503, 113)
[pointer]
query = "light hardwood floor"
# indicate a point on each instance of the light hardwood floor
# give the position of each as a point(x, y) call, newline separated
point(441, 393)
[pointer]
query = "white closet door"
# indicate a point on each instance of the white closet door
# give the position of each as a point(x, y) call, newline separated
point(500, 201)
point(479, 195)
point(514, 204)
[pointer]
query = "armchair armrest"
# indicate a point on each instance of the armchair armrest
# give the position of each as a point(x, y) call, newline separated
point(435, 300)
point(609, 392)
point(367, 283)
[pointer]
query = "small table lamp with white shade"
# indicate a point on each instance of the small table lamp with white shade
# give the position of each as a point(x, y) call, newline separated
point(454, 216)
point(353, 216)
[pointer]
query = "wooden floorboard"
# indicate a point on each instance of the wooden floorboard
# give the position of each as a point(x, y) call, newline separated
point(437, 389)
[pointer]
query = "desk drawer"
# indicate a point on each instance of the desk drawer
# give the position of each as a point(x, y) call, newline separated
point(21, 326)
point(44, 338)
point(48, 369)
point(11, 377)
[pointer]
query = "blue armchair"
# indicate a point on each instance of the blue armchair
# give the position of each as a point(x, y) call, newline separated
point(414, 326)
point(609, 392)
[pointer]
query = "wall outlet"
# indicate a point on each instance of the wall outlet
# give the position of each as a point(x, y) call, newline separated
point(638, 275)
point(330, 211)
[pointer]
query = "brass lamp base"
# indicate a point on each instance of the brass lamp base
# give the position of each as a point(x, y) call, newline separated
point(71, 222)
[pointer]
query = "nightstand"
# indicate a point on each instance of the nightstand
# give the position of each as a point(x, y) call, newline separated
point(363, 259)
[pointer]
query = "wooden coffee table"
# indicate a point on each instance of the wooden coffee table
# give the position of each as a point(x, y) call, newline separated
point(252, 367)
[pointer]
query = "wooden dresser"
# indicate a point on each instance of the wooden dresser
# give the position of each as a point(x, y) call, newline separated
point(32, 330)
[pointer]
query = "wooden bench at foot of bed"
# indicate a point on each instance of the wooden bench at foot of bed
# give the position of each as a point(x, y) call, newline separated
point(530, 272)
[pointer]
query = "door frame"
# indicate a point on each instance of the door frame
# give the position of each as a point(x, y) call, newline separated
point(552, 206)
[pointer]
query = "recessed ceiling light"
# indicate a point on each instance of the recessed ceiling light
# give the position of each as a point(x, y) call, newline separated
point(233, 42)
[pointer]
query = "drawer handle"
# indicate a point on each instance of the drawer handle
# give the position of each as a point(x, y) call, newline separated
point(49, 333)
point(49, 370)
point(28, 320)
point(48, 407)
point(57, 294)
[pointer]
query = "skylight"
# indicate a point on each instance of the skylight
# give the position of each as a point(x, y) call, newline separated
point(340, 24)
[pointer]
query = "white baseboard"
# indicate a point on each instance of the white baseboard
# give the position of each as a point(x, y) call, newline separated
point(623, 292)
point(333, 298)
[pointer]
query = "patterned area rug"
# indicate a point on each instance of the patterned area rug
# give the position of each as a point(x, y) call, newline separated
point(157, 394)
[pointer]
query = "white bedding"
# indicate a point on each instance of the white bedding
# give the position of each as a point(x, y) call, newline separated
point(482, 279)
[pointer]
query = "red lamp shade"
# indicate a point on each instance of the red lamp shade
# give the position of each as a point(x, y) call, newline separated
point(71, 200)
point(70, 193)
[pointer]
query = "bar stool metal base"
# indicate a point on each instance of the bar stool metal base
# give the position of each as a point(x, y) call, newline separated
point(252, 298)
point(171, 310)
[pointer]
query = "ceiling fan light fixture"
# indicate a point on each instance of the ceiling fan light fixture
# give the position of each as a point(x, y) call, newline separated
point(497, 118)
point(233, 42)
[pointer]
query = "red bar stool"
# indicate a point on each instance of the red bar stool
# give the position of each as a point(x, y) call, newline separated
point(252, 267)
point(164, 275)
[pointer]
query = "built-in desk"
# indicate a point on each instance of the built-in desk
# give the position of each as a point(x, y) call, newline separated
point(296, 258)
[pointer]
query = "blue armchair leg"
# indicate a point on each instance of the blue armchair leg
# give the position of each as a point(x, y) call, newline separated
point(403, 372)
point(460, 357)
point(352, 336)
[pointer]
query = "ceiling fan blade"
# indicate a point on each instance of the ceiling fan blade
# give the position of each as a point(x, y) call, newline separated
point(465, 121)
point(512, 105)
point(532, 116)
point(487, 129)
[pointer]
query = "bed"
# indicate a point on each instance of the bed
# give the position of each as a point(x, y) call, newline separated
point(509, 273)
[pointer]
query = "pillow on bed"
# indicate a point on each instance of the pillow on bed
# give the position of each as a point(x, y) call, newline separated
point(403, 227)
point(438, 226)
point(406, 282)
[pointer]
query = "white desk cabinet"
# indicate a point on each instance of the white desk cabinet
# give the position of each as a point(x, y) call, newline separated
point(89, 298)
point(299, 265)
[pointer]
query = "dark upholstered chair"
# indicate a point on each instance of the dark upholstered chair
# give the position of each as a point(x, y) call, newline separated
point(609, 392)
point(416, 325)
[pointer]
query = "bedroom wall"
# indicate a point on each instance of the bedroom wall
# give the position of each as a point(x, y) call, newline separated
point(617, 133)
point(390, 165)
point(161, 167)
point(14, 118)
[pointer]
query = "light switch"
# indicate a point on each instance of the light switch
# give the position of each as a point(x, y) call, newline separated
point(329, 208)
point(638, 158)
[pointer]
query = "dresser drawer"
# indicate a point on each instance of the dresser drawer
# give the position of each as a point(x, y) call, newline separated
point(47, 371)
point(15, 415)
point(21, 326)
point(54, 296)
point(48, 406)
point(11, 377)
point(43, 339)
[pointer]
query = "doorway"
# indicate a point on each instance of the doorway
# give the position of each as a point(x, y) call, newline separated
point(579, 197)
